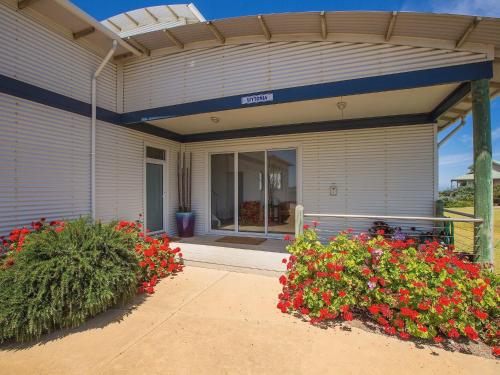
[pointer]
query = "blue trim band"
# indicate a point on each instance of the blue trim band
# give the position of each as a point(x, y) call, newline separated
point(429, 77)
point(458, 94)
point(397, 81)
point(20, 89)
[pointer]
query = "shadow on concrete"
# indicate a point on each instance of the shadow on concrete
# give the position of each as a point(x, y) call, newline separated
point(115, 314)
point(462, 345)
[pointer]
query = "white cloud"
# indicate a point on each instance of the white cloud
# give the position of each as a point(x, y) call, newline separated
point(466, 138)
point(471, 7)
point(455, 159)
point(495, 133)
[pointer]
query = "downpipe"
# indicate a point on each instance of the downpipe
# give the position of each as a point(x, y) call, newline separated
point(93, 126)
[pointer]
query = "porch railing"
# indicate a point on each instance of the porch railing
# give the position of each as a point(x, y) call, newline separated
point(460, 231)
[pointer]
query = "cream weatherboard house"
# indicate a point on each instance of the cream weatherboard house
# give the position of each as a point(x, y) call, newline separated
point(336, 111)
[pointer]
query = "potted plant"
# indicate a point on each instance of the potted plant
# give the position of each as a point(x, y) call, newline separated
point(184, 216)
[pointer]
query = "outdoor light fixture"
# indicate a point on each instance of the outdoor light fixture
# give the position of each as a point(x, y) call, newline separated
point(341, 106)
point(215, 119)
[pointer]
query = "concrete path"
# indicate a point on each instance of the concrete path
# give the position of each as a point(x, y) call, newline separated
point(209, 321)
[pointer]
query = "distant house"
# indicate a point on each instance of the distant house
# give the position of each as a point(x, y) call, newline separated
point(468, 178)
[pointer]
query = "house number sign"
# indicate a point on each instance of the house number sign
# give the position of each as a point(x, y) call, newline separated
point(260, 98)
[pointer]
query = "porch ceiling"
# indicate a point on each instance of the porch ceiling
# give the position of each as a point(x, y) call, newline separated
point(389, 103)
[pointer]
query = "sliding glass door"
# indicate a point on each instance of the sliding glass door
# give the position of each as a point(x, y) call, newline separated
point(253, 192)
point(282, 190)
point(222, 192)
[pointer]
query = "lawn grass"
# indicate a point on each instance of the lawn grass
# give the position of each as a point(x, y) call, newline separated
point(463, 234)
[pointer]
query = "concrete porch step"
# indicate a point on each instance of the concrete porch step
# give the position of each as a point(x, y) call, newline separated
point(267, 256)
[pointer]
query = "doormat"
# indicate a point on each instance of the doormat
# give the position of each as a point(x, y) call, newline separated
point(241, 240)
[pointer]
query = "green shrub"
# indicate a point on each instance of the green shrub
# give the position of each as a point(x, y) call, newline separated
point(65, 273)
point(462, 196)
point(415, 290)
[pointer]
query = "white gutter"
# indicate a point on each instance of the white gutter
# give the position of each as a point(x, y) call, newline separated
point(196, 12)
point(93, 125)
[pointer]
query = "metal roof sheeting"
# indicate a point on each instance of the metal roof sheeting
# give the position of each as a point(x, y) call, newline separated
point(149, 19)
point(445, 27)
point(187, 24)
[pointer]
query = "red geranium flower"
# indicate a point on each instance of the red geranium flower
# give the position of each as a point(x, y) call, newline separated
point(471, 333)
point(282, 279)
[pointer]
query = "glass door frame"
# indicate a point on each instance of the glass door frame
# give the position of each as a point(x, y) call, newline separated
point(236, 230)
point(163, 163)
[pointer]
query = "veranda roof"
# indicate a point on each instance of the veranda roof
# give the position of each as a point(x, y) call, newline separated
point(178, 27)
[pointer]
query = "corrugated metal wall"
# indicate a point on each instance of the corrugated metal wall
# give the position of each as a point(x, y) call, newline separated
point(44, 163)
point(45, 152)
point(384, 171)
point(45, 166)
point(232, 70)
point(120, 173)
point(41, 57)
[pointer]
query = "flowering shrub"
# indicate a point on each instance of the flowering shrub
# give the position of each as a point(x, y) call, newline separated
point(414, 290)
point(58, 274)
point(155, 257)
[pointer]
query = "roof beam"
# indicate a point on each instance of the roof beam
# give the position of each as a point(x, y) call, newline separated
point(216, 32)
point(150, 14)
point(448, 118)
point(123, 56)
point(467, 32)
point(175, 15)
point(83, 33)
point(114, 25)
point(138, 46)
point(390, 27)
point(459, 112)
point(324, 26)
point(21, 4)
point(263, 26)
point(132, 19)
point(173, 39)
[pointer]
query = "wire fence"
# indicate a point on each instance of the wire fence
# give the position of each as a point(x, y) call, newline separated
point(459, 231)
point(465, 233)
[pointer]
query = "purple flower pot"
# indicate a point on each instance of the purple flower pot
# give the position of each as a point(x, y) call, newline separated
point(185, 223)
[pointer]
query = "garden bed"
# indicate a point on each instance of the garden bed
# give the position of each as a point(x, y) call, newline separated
point(409, 290)
point(58, 274)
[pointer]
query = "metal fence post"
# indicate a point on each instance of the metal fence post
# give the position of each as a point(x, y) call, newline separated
point(299, 220)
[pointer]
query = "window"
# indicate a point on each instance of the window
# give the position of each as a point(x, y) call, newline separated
point(155, 153)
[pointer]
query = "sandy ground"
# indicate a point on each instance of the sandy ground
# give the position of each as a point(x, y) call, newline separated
point(209, 321)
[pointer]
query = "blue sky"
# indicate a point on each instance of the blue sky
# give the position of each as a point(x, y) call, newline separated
point(454, 157)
